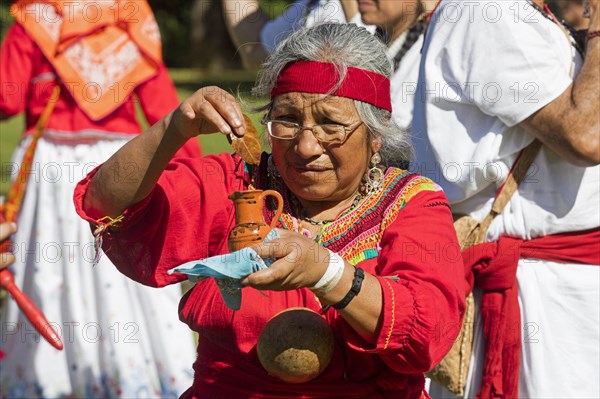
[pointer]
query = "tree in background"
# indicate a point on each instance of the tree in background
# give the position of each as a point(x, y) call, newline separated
point(194, 33)
point(212, 48)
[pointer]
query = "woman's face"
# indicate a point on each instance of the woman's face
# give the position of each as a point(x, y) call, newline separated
point(388, 14)
point(316, 171)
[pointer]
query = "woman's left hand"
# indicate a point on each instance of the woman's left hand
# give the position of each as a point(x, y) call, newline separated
point(300, 262)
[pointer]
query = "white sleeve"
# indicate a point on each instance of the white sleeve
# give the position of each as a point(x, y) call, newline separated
point(278, 29)
point(503, 56)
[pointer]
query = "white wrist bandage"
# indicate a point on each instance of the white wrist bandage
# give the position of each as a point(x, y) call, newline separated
point(332, 275)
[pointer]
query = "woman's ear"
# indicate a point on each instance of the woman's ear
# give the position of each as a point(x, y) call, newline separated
point(376, 144)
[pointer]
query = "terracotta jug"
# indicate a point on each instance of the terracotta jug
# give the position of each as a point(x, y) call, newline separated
point(250, 225)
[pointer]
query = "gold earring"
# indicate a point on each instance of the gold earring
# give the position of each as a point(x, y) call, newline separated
point(374, 177)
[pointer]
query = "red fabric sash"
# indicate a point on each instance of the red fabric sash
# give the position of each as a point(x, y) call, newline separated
point(492, 267)
point(321, 77)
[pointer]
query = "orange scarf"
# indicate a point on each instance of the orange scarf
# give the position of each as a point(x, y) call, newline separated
point(101, 50)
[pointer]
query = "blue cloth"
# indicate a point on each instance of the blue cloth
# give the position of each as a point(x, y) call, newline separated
point(228, 270)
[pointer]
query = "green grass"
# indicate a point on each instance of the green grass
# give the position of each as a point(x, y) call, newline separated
point(10, 133)
point(186, 80)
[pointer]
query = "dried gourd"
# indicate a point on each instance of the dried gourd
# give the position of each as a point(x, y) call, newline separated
point(296, 345)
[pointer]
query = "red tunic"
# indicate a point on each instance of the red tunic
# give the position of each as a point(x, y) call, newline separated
point(27, 80)
point(403, 235)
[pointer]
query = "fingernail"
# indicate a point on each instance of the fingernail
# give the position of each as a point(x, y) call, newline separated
point(14, 226)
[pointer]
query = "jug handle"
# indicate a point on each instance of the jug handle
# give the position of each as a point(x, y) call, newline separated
point(275, 194)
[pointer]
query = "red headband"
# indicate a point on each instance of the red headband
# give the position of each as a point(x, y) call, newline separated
point(320, 77)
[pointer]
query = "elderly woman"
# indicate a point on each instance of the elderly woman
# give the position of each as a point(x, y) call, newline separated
point(330, 127)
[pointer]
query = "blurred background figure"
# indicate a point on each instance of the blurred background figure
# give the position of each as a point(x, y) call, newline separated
point(572, 12)
point(401, 25)
point(118, 335)
point(256, 36)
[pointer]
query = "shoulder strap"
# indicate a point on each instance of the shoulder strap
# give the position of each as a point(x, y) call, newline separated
point(17, 189)
point(515, 177)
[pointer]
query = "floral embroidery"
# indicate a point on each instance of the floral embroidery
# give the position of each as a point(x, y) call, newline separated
point(393, 312)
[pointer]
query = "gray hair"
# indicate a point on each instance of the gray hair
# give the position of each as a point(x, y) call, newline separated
point(345, 45)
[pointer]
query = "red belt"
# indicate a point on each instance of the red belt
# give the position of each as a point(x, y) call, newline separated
point(492, 267)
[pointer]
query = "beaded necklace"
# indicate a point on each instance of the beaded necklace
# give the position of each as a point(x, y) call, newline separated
point(314, 222)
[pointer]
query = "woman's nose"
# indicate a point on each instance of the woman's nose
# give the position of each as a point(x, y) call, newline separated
point(307, 145)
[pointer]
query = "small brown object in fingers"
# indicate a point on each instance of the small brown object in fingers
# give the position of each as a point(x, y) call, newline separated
point(247, 147)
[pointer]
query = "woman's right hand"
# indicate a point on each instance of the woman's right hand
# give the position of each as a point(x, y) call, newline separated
point(6, 230)
point(209, 110)
point(143, 159)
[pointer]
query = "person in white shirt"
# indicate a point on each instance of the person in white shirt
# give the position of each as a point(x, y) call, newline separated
point(256, 36)
point(495, 76)
point(401, 24)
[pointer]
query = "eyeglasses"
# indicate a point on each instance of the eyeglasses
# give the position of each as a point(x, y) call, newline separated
point(330, 133)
